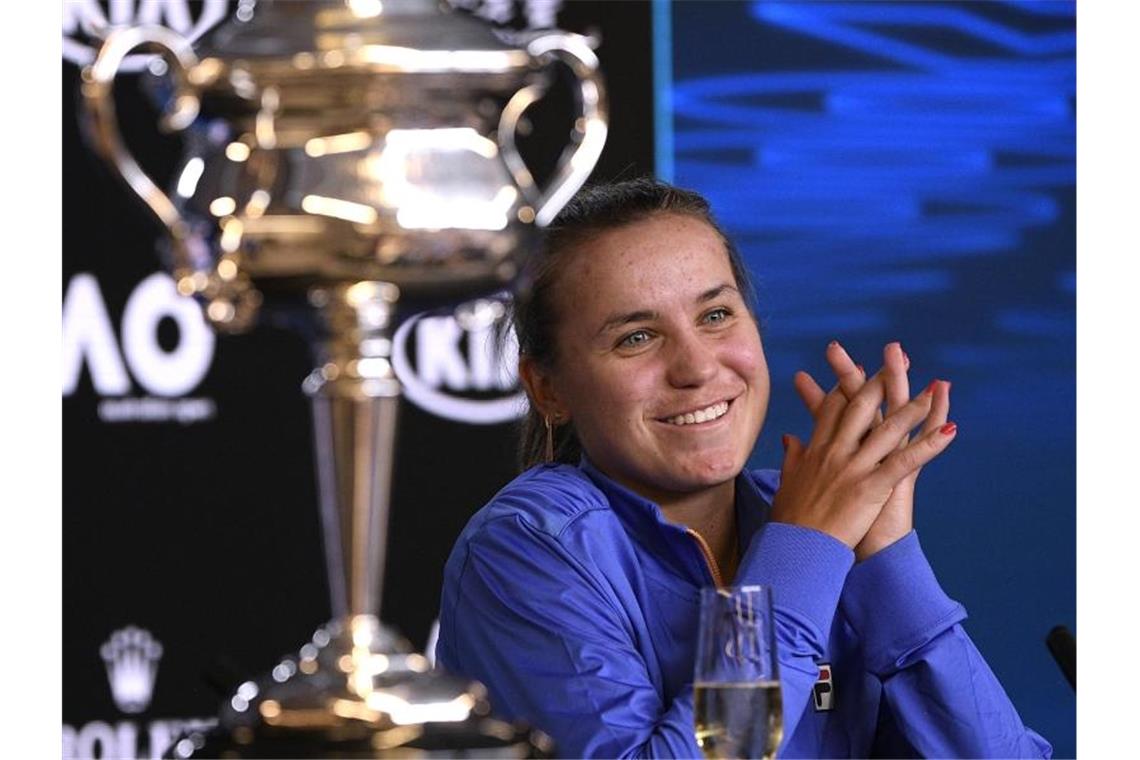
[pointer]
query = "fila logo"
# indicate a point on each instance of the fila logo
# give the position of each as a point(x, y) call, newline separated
point(86, 21)
point(823, 693)
point(131, 656)
point(458, 373)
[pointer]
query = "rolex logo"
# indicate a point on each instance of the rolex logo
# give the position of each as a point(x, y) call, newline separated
point(131, 656)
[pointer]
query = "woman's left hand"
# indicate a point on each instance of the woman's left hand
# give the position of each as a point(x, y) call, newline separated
point(897, 516)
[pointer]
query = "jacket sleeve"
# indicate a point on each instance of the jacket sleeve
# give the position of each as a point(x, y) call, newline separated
point(806, 570)
point(552, 639)
point(944, 699)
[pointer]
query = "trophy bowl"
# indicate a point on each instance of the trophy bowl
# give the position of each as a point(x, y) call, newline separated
point(326, 145)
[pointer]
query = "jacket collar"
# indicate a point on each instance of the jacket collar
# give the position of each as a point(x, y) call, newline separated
point(645, 522)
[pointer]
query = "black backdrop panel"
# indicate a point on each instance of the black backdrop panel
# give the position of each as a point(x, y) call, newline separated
point(191, 512)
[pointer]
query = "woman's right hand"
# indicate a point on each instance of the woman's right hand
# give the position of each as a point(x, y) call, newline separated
point(840, 480)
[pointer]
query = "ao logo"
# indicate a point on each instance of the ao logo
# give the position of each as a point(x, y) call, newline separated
point(88, 335)
point(442, 372)
point(83, 18)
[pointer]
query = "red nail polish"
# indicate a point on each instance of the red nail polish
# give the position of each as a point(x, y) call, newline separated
point(948, 428)
point(786, 439)
point(930, 388)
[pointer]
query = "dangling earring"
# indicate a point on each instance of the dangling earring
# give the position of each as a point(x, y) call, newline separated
point(549, 440)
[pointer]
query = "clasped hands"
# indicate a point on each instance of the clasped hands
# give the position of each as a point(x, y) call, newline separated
point(854, 479)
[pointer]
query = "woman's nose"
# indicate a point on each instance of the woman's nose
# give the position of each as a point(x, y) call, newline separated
point(691, 361)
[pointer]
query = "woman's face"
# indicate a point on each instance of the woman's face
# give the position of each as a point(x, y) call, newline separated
point(659, 362)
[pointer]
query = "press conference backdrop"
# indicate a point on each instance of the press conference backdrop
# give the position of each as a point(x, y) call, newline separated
point(907, 171)
point(891, 171)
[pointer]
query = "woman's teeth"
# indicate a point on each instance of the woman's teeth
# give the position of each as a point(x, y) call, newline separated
point(701, 415)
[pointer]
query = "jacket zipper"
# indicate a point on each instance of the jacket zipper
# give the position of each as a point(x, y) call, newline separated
point(706, 552)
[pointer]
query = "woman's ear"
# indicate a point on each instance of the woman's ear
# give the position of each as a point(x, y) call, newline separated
point(540, 387)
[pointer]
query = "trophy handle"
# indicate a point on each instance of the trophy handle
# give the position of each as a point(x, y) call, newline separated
point(97, 89)
point(579, 158)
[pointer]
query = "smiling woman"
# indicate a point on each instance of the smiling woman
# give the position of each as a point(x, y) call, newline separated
point(573, 594)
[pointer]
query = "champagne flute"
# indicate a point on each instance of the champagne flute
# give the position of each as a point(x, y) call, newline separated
point(737, 703)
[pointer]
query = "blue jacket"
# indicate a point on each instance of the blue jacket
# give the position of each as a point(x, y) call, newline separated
point(575, 602)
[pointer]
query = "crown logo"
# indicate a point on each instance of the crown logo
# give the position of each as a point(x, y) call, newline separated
point(131, 656)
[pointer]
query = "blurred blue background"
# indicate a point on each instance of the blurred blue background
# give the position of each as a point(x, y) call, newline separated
point(906, 171)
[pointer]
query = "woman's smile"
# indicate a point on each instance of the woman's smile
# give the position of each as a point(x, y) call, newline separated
point(702, 417)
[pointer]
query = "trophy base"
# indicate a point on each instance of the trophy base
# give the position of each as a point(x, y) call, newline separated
point(358, 691)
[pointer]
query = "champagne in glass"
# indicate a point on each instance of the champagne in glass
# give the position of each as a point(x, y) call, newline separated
point(737, 703)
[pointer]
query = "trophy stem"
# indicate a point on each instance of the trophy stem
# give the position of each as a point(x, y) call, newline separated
point(355, 395)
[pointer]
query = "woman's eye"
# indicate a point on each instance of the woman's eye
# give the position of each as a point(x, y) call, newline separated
point(634, 339)
point(717, 316)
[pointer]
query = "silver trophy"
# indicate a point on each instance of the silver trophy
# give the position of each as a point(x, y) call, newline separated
point(345, 159)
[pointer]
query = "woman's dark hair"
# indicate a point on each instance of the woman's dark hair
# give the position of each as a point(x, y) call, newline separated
point(594, 210)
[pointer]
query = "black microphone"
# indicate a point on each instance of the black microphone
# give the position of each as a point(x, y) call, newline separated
point(1063, 646)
